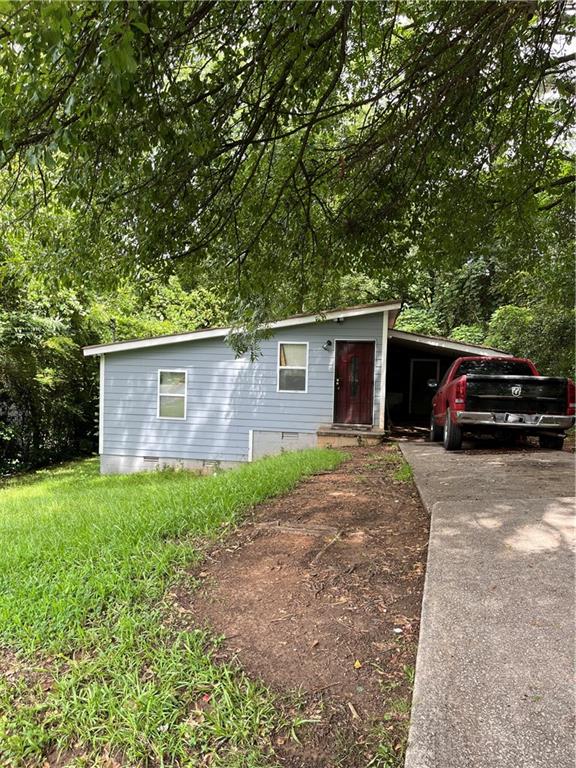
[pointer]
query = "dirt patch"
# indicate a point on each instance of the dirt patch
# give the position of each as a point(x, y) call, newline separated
point(15, 669)
point(320, 595)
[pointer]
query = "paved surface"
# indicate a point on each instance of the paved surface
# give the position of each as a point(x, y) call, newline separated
point(494, 685)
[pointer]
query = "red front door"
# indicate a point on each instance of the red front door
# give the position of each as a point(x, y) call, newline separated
point(354, 382)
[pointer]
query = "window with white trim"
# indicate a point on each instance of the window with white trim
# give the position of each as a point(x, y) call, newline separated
point(172, 394)
point(292, 367)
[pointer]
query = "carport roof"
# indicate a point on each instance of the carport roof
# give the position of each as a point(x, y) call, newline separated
point(441, 344)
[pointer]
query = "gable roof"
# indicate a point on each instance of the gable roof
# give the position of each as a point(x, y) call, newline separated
point(465, 347)
point(214, 333)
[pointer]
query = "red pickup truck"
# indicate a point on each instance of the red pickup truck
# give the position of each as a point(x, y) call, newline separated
point(505, 396)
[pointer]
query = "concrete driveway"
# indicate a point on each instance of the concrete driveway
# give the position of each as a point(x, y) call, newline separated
point(494, 676)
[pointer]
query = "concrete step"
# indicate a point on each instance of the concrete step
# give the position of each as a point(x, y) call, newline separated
point(344, 435)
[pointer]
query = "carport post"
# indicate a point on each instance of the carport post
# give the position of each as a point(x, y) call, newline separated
point(382, 404)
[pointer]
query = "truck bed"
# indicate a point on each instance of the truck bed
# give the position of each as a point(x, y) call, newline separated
point(516, 394)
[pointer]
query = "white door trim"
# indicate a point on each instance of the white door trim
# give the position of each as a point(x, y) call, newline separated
point(356, 341)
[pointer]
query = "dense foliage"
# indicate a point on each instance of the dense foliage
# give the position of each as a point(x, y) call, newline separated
point(527, 313)
point(289, 140)
point(170, 165)
point(48, 390)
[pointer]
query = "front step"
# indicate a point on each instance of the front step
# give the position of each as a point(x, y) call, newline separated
point(344, 436)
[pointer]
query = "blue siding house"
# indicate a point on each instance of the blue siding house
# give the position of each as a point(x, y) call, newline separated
point(187, 400)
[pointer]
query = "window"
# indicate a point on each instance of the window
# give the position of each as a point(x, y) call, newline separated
point(172, 394)
point(354, 377)
point(292, 367)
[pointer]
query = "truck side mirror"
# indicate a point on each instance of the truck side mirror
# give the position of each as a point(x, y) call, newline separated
point(432, 383)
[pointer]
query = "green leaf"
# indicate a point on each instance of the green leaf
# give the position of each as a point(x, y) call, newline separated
point(142, 26)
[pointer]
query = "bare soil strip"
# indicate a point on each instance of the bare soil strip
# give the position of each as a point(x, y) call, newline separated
point(320, 595)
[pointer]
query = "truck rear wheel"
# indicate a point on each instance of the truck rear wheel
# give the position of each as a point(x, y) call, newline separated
point(452, 434)
point(435, 430)
point(552, 442)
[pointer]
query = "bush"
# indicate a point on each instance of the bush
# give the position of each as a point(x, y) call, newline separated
point(471, 334)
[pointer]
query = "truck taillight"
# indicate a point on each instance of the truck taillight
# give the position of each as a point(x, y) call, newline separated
point(460, 394)
point(571, 398)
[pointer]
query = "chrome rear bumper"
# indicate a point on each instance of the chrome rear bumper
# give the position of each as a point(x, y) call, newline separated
point(518, 420)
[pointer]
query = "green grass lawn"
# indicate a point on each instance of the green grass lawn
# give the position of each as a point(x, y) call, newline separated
point(93, 667)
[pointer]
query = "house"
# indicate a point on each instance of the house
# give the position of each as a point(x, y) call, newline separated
point(187, 400)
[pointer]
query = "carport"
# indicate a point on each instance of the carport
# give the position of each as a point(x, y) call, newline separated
point(413, 359)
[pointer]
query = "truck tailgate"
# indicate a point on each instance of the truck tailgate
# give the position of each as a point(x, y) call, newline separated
point(516, 394)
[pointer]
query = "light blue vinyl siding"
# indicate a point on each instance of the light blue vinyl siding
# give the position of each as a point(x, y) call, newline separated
point(227, 397)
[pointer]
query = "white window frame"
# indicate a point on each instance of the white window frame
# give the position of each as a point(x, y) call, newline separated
point(185, 395)
point(292, 368)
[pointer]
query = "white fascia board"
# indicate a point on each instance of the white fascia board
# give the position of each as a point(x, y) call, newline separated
point(453, 346)
point(157, 341)
point(177, 338)
point(353, 311)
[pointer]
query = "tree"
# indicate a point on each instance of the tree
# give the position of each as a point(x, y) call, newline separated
point(285, 144)
point(48, 390)
point(543, 333)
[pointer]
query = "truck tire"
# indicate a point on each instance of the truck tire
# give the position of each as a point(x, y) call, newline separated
point(435, 430)
point(452, 434)
point(552, 442)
